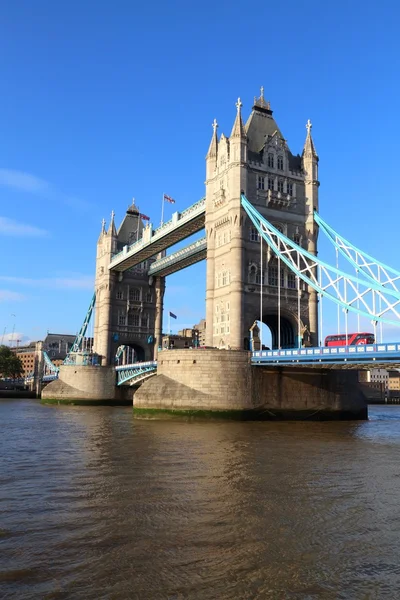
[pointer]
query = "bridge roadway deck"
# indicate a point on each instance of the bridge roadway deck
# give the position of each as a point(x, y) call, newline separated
point(181, 259)
point(374, 356)
point(181, 226)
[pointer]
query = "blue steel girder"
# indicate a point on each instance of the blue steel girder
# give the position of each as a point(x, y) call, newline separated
point(371, 268)
point(363, 356)
point(181, 259)
point(181, 226)
point(354, 294)
point(82, 332)
point(52, 368)
point(135, 372)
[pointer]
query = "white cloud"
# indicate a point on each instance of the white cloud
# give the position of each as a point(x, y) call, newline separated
point(14, 228)
point(23, 181)
point(73, 282)
point(26, 182)
point(14, 339)
point(9, 296)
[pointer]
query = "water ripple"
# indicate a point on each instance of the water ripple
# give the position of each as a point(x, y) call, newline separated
point(96, 505)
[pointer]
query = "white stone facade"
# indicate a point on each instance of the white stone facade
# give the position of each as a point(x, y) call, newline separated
point(256, 160)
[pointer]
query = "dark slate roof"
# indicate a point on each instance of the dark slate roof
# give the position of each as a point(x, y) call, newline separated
point(259, 125)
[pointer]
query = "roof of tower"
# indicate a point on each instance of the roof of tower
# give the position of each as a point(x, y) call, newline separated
point(309, 147)
point(238, 129)
point(131, 225)
point(213, 149)
point(260, 124)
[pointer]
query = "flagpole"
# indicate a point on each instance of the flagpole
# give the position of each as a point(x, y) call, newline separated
point(169, 323)
point(162, 210)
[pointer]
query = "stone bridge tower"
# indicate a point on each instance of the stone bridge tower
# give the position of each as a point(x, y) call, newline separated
point(256, 160)
point(125, 313)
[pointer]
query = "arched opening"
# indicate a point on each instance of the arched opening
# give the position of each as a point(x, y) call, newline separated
point(269, 336)
point(288, 337)
point(130, 353)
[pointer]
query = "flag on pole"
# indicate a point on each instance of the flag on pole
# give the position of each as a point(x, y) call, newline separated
point(172, 315)
point(144, 217)
point(169, 199)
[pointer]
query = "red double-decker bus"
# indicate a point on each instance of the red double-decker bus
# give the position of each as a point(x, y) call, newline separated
point(352, 339)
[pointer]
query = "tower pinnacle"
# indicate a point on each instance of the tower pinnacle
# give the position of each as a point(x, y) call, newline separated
point(309, 150)
point(261, 103)
point(238, 127)
point(112, 230)
point(213, 149)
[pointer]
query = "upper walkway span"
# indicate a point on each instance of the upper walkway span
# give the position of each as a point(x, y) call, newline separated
point(179, 227)
point(181, 259)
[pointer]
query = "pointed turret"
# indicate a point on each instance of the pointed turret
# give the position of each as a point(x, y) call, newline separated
point(212, 154)
point(112, 229)
point(238, 130)
point(103, 231)
point(309, 150)
point(213, 149)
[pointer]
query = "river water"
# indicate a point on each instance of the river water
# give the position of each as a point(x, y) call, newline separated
point(94, 504)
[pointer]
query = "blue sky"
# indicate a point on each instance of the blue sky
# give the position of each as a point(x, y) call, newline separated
point(104, 101)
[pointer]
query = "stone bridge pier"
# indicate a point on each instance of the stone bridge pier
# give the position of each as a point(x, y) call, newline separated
point(223, 383)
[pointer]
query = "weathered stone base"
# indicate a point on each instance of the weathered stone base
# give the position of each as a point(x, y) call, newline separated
point(223, 384)
point(246, 415)
point(80, 385)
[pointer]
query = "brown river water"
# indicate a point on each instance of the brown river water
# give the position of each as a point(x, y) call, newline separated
point(94, 504)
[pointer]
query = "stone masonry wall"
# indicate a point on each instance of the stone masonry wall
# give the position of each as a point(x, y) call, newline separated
point(82, 383)
point(224, 380)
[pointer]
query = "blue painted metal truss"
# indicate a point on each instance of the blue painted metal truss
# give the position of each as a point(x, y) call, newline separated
point(77, 345)
point(370, 268)
point(358, 294)
point(49, 367)
point(136, 372)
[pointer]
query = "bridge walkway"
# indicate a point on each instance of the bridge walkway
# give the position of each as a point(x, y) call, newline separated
point(182, 225)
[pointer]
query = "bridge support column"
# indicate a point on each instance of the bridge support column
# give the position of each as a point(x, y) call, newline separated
point(160, 290)
point(223, 383)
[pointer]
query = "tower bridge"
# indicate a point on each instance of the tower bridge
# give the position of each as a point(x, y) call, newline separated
point(261, 219)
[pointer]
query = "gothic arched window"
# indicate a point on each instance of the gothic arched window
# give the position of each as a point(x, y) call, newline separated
point(252, 274)
point(296, 239)
point(270, 160)
point(134, 294)
point(280, 163)
point(273, 276)
point(280, 185)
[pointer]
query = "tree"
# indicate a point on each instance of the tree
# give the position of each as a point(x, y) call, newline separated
point(10, 363)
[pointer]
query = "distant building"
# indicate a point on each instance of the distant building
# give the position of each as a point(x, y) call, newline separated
point(194, 337)
point(201, 328)
point(57, 346)
point(394, 380)
point(380, 376)
point(27, 356)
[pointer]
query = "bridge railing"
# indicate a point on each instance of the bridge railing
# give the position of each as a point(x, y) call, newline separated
point(137, 365)
point(197, 246)
point(365, 353)
point(178, 218)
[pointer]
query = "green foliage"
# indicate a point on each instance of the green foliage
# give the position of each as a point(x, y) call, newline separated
point(10, 363)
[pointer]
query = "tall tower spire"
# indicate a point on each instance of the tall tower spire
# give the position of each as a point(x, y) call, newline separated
point(309, 150)
point(213, 149)
point(112, 230)
point(238, 129)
